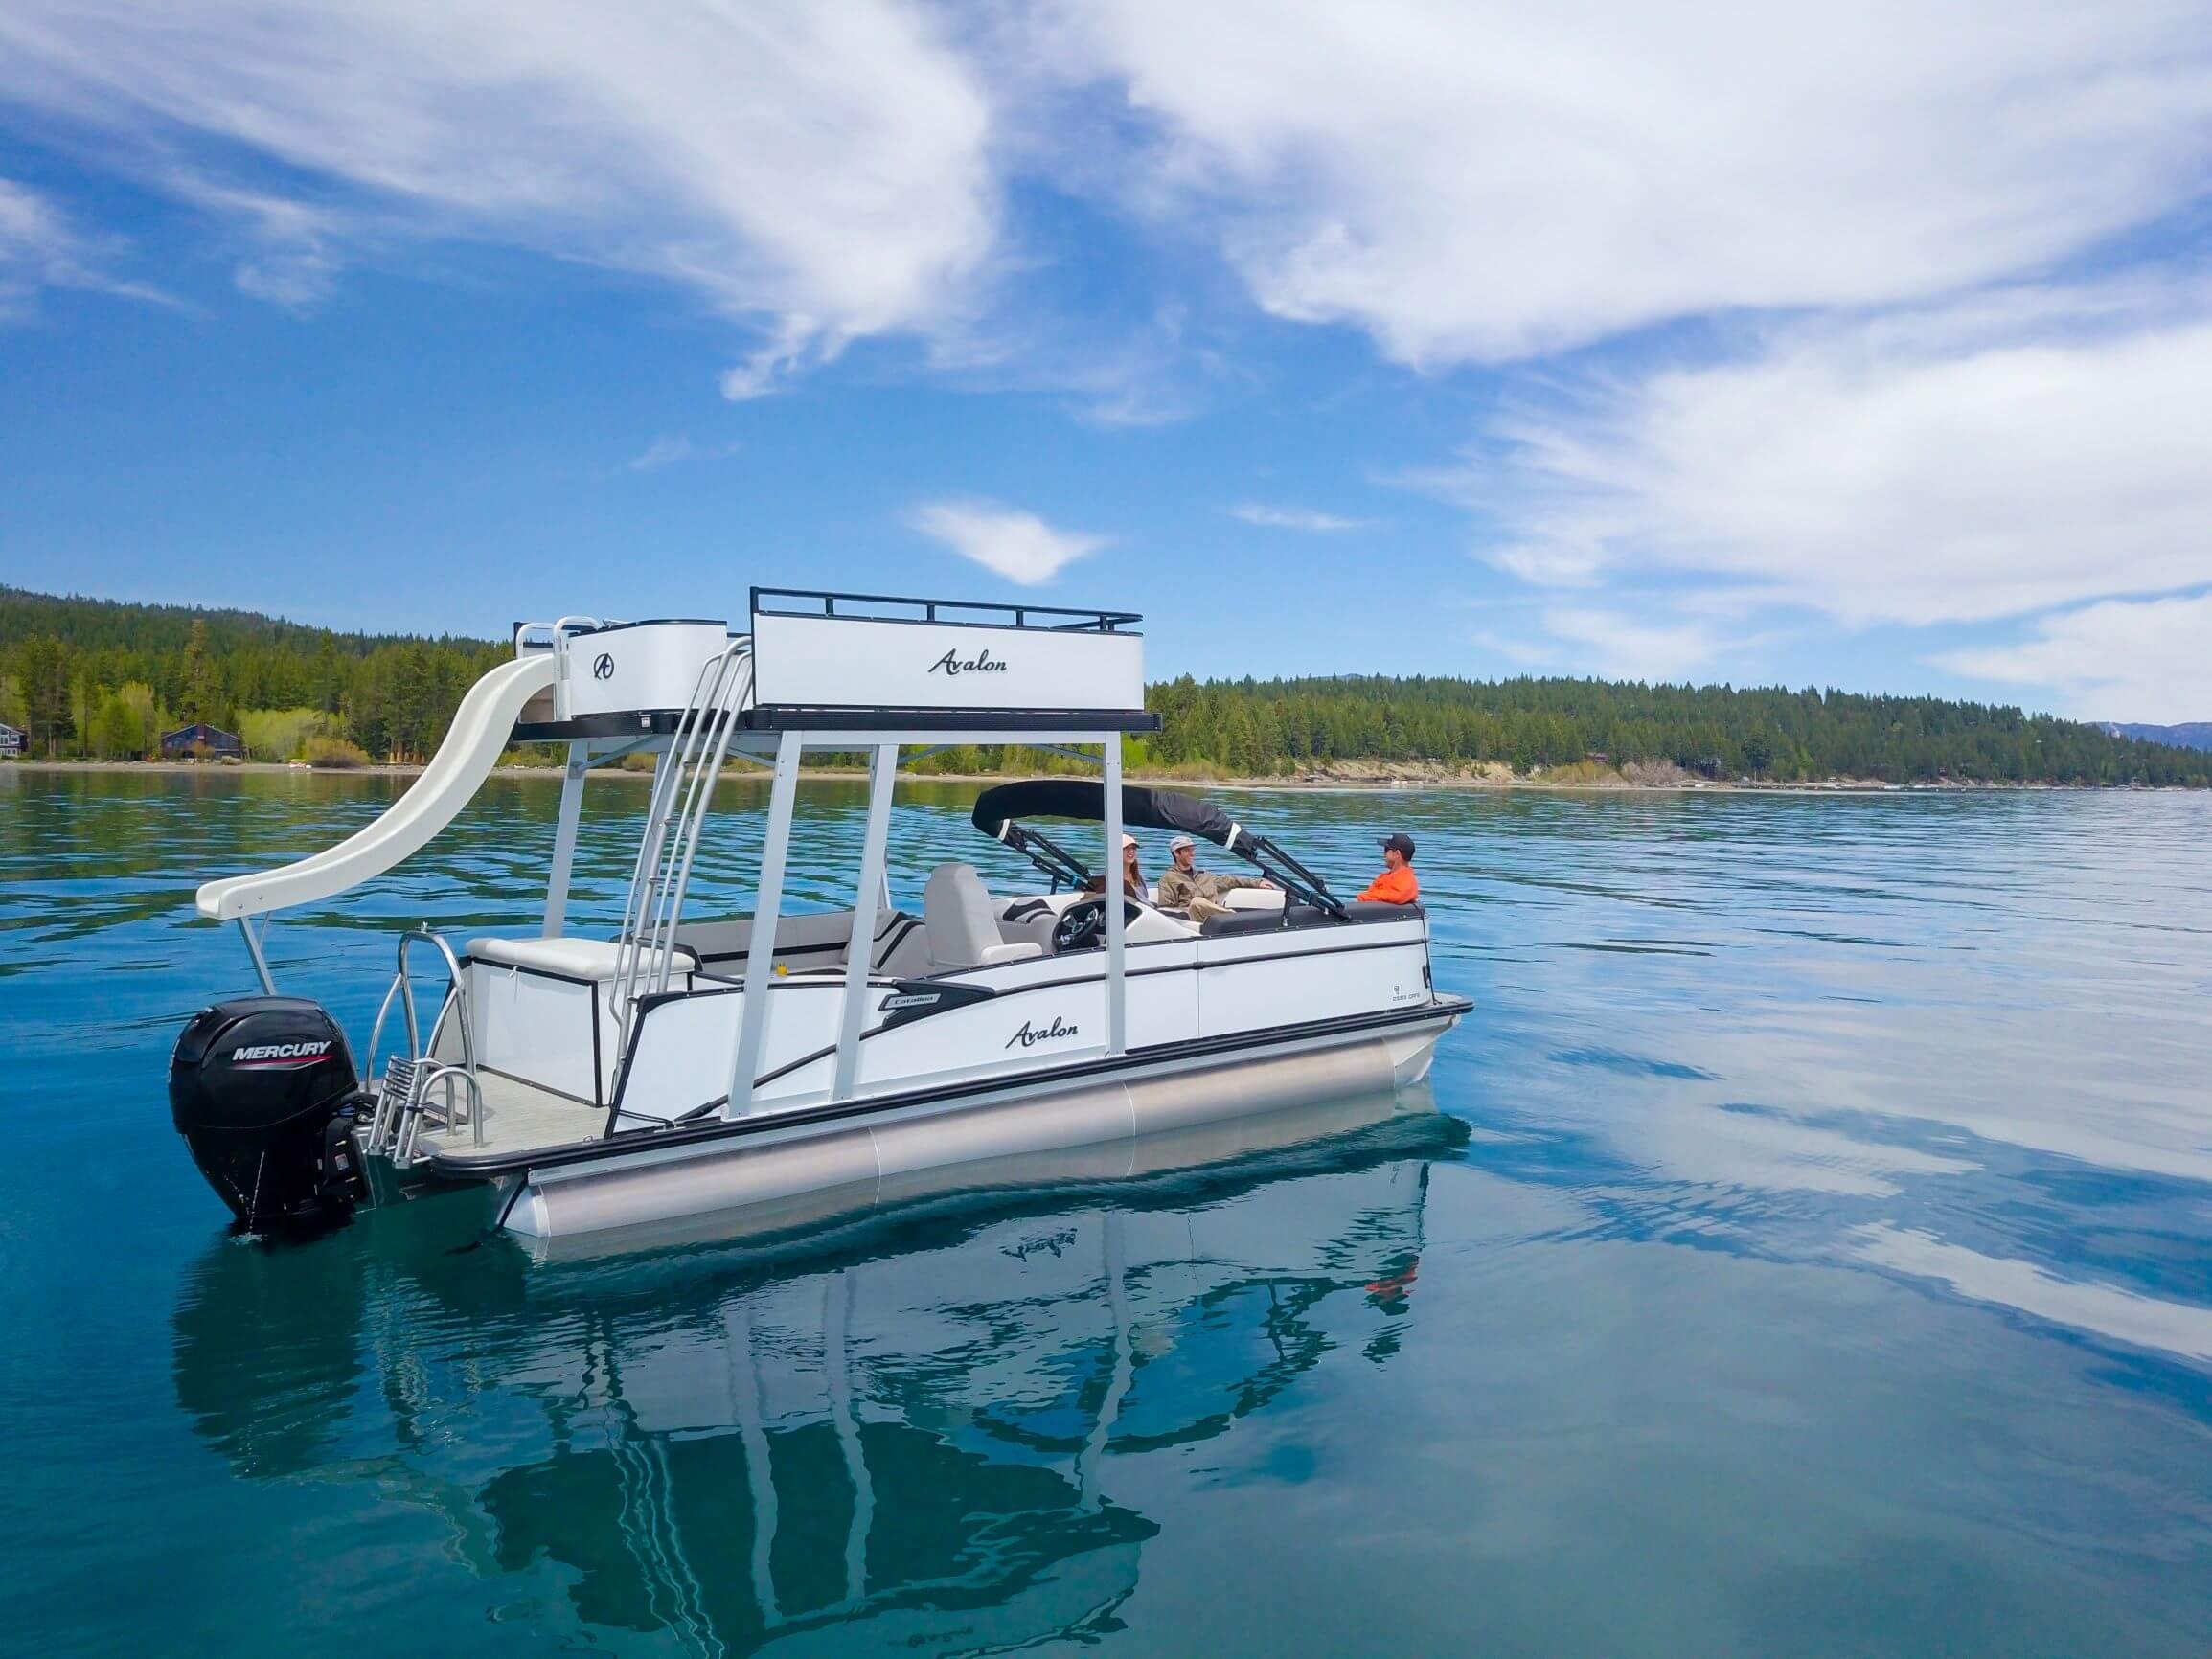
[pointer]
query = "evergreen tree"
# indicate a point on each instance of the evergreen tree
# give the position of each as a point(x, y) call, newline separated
point(42, 670)
point(200, 692)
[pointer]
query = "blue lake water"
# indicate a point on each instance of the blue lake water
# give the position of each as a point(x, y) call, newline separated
point(1806, 1249)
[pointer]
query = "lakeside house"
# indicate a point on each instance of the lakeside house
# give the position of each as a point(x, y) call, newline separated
point(13, 743)
point(202, 742)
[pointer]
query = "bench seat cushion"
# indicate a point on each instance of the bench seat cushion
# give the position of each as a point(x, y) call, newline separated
point(589, 960)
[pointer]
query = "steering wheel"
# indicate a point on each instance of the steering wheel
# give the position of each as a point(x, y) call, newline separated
point(1081, 926)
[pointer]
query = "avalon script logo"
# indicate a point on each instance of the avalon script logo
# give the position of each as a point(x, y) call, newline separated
point(602, 667)
point(952, 663)
point(1029, 1037)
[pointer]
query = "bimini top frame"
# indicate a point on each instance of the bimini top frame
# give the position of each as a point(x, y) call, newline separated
point(998, 809)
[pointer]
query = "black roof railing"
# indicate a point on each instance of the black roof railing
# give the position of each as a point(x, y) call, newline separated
point(857, 606)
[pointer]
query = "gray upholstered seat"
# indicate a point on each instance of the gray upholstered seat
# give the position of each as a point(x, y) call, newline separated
point(958, 921)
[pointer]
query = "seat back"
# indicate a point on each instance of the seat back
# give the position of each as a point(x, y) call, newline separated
point(1028, 921)
point(956, 915)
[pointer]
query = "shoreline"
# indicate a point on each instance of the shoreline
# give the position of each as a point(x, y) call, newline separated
point(1493, 778)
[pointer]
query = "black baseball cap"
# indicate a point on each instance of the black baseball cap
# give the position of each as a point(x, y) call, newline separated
point(1403, 843)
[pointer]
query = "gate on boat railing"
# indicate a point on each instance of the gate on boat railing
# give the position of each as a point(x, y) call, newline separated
point(404, 1093)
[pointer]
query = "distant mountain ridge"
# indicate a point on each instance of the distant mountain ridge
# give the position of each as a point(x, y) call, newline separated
point(2189, 735)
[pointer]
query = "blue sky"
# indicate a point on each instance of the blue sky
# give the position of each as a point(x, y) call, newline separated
point(1745, 343)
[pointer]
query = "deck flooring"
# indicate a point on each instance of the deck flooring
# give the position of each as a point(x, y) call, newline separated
point(518, 1117)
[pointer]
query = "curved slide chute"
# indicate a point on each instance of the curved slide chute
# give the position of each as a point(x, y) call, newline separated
point(473, 744)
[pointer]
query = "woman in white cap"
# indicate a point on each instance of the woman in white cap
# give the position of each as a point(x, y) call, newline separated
point(1134, 884)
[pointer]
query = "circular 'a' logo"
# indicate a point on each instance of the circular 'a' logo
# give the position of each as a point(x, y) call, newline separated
point(602, 667)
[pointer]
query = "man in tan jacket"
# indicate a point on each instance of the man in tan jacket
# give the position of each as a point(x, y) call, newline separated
point(1195, 891)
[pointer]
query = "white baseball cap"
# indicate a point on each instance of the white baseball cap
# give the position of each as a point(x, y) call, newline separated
point(1128, 841)
point(1179, 843)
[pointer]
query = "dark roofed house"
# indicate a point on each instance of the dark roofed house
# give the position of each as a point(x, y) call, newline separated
point(12, 741)
point(200, 740)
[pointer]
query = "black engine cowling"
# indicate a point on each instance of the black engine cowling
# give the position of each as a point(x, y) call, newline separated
point(261, 1087)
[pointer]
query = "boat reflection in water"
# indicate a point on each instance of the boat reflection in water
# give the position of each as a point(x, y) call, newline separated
point(904, 1435)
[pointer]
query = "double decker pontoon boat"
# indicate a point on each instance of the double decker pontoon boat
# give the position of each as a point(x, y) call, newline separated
point(804, 1062)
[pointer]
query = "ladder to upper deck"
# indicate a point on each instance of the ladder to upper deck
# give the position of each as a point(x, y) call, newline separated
point(683, 787)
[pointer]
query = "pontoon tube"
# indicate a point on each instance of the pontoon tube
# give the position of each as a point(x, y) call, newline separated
point(840, 1170)
point(473, 744)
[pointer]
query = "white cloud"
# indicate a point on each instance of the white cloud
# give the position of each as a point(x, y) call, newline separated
point(819, 172)
point(1486, 181)
point(1622, 647)
point(669, 449)
point(1296, 518)
point(40, 248)
point(1929, 468)
point(292, 261)
point(34, 245)
point(1018, 546)
point(2122, 660)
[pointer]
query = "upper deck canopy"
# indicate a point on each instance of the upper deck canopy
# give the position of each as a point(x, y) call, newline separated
point(873, 662)
point(842, 661)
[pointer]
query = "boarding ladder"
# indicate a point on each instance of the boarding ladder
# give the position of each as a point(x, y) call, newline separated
point(682, 788)
point(404, 1095)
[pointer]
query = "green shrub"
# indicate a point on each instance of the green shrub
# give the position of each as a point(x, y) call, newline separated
point(284, 733)
point(334, 754)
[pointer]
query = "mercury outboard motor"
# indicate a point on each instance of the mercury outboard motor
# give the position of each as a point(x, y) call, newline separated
point(260, 1088)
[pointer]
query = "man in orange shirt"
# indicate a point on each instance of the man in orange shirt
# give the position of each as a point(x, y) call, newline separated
point(1397, 884)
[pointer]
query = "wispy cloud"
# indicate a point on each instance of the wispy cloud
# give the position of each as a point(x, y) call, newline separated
point(40, 247)
point(1479, 182)
point(1649, 643)
point(1955, 464)
point(669, 449)
point(1296, 518)
point(1016, 545)
point(1629, 647)
point(2120, 659)
point(291, 260)
point(819, 173)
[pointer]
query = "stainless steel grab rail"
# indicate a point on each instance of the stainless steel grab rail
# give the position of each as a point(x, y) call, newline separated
point(410, 1129)
point(402, 990)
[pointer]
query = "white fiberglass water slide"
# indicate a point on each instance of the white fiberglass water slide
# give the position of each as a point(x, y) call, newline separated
point(482, 726)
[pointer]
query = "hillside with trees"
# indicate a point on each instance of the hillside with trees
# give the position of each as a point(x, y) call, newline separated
point(1767, 733)
point(95, 679)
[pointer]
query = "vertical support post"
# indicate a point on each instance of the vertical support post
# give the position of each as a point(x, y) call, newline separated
point(564, 839)
point(875, 880)
point(1116, 987)
point(768, 906)
point(254, 950)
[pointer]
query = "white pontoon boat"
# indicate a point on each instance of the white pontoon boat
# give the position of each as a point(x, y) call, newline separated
point(691, 1064)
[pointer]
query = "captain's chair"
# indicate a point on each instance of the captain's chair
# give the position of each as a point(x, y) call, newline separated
point(959, 924)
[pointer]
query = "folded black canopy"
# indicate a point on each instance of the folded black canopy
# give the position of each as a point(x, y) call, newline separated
point(1142, 808)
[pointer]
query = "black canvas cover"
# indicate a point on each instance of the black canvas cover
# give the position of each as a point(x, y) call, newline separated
point(1085, 798)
